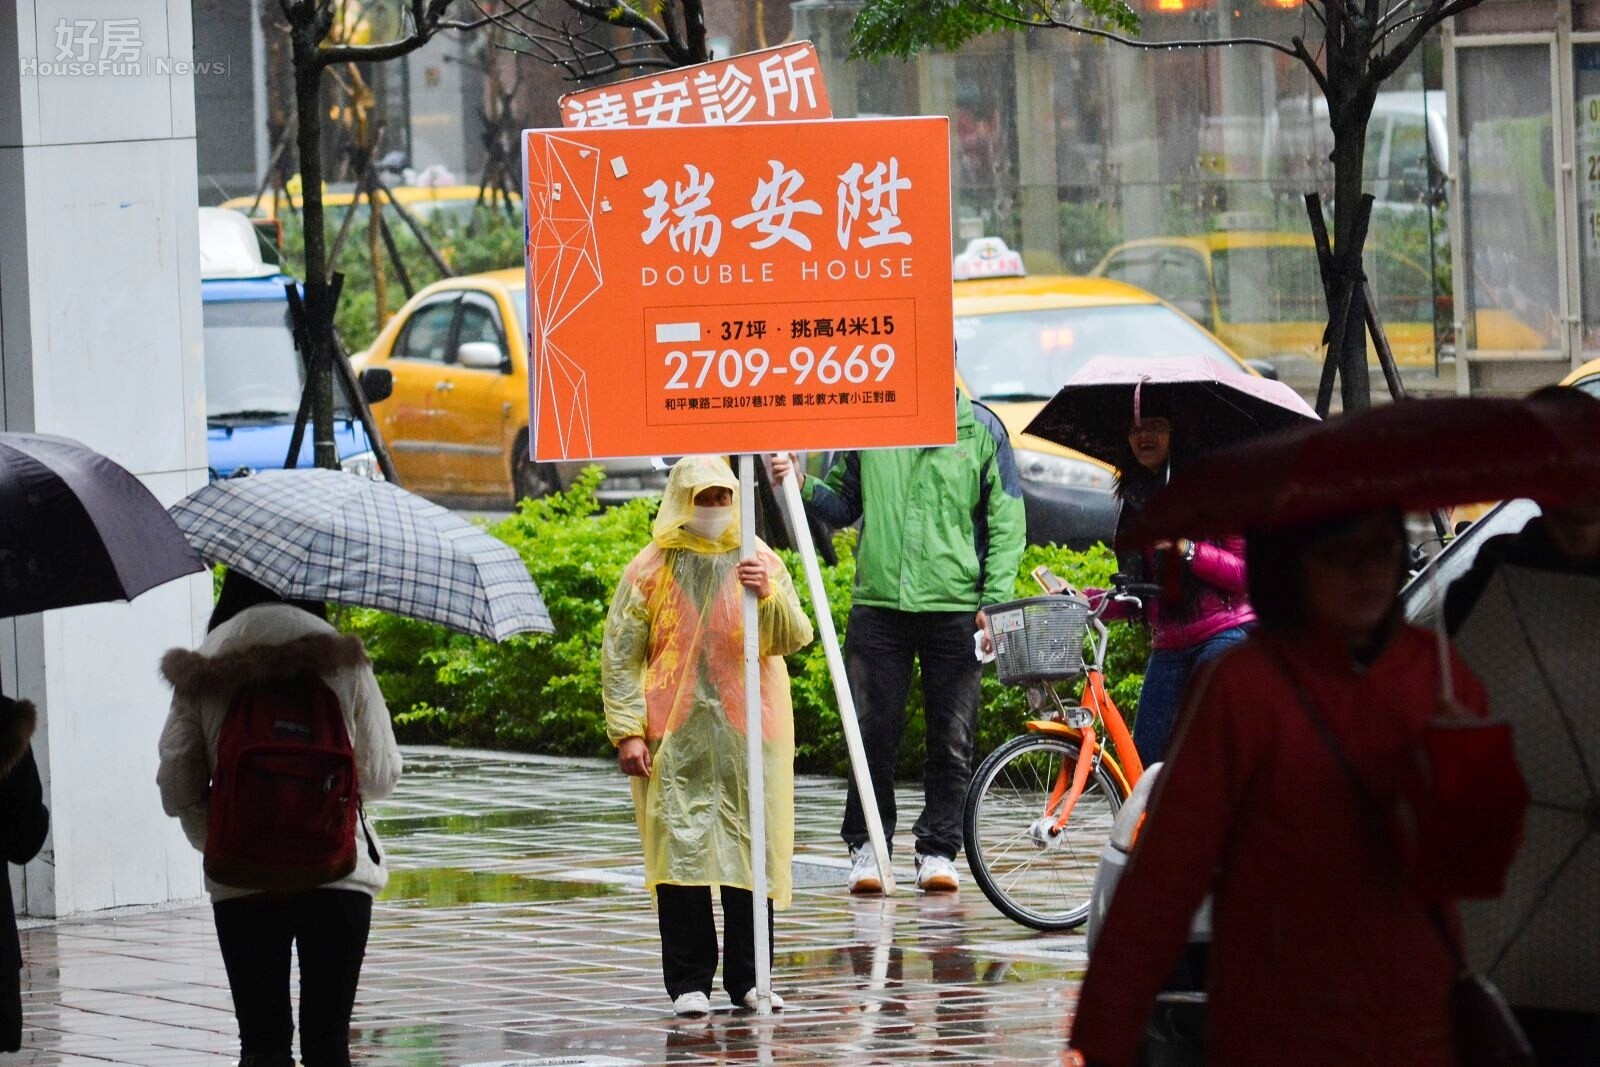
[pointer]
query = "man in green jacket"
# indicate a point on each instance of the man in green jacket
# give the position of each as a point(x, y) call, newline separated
point(942, 536)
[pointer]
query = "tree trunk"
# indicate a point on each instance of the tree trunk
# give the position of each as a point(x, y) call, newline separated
point(1349, 151)
point(694, 23)
point(319, 296)
point(1347, 47)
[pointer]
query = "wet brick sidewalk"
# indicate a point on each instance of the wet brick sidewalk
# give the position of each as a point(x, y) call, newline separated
point(516, 931)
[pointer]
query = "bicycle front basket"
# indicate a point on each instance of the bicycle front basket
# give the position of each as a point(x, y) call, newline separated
point(1039, 638)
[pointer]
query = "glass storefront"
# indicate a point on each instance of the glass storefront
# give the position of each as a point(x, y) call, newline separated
point(1526, 82)
point(1180, 170)
point(1586, 121)
point(1513, 302)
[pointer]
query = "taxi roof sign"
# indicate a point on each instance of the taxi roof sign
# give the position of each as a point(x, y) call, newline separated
point(988, 257)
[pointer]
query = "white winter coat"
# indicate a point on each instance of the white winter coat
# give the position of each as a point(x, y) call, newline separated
point(265, 641)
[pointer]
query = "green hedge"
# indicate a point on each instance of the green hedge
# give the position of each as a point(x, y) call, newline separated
point(489, 240)
point(542, 693)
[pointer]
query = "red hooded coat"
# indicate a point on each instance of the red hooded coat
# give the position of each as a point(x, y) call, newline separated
point(1320, 955)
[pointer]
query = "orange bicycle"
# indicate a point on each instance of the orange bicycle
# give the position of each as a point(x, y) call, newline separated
point(1040, 808)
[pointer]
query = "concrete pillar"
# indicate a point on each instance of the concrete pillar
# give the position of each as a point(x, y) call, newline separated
point(826, 24)
point(100, 340)
point(446, 90)
point(936, 95)
point(1036, 157)
point(1135, 150)
point(1246, 77)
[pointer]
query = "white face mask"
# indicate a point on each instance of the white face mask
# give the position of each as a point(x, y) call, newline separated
point(710, 523)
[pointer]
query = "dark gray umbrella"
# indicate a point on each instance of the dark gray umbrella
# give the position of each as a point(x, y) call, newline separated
point(1210, 402)
point(328, 535)
point(79, 529)
point(1531, 639)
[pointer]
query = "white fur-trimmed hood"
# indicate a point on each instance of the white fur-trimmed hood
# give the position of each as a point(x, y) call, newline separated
point(190, 673)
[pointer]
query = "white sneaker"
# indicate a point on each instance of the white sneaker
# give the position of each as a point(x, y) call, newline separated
point(752, 1002)
point(864, 876)
point(691, 1004)
point(937, 874)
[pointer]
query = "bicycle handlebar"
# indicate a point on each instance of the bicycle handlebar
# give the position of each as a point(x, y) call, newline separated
point(1122, 584)
point(1122, 588)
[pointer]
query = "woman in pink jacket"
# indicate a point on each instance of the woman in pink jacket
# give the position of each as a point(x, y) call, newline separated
point(1212, 612)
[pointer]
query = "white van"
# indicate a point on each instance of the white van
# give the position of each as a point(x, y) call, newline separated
point(1408, 145)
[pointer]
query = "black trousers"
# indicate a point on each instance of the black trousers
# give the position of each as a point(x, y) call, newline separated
point(689, 939)
point(880, 647)
point(328, 931)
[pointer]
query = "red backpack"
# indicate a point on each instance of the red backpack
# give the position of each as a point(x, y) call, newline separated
point(284, 793)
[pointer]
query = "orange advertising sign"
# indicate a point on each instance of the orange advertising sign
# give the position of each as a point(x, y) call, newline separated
point(779, 84)
point(739, 288)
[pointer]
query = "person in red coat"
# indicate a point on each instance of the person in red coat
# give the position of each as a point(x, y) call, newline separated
point(1320, 953)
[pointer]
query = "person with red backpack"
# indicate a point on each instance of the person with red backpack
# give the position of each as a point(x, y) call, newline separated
point(277, 734)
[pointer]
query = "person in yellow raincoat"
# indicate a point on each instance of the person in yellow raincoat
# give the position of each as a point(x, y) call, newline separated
point(672, 669)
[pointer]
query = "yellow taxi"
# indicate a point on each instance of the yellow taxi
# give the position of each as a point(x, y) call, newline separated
point(1018, 340)
point(422, 201)
point(457, 420)
point(1586, 377)
point(1260, 292)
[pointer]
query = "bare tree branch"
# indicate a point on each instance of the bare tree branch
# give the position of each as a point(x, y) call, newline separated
point(1437, 12)
point(1133, 42)
point(1309, 61)
point(619, 14)
point(427, 21)
point(588, 74)
point(1394, 26)
point(1395, 10)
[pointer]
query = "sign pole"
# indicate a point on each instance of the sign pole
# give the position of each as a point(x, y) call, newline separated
point(757, 790)
point(841, 682)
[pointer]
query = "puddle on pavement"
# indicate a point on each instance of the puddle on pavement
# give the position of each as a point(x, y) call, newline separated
point(404, 826)
point(443, 887)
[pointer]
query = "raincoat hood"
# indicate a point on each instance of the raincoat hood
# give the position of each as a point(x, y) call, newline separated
point(690, 475)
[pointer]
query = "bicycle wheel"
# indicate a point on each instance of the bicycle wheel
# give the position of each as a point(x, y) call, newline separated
point(1042, 885)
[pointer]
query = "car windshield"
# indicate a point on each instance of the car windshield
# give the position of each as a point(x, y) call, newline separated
point(252, 367)
point(519, 301)
point(1272, 284)
point(1028, 355)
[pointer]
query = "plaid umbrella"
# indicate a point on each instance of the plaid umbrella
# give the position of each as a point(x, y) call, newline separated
point(326, 535)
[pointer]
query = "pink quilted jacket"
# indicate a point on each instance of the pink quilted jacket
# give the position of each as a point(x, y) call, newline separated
point(1222, 603)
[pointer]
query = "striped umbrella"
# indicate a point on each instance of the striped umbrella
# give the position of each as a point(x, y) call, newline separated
point(327, 535)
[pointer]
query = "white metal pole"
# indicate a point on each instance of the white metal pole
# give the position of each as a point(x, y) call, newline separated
point(753, 743)
point(1441, 637)
point(841, 683)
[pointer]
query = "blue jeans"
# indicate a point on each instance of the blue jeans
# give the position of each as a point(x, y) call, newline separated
point(1164, 679)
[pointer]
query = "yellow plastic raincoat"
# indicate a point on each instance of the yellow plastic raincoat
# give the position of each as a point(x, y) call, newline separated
point(672, 669)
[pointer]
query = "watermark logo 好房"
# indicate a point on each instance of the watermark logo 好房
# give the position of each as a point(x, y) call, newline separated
point(113, 47)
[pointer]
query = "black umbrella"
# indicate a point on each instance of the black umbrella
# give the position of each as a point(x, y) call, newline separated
point(79, 528)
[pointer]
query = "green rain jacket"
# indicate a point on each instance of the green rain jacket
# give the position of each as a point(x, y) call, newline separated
point(943, 527)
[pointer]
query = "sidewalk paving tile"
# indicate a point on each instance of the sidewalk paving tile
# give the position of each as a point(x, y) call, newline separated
point(516, 932)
